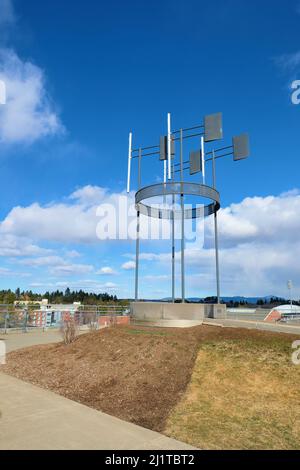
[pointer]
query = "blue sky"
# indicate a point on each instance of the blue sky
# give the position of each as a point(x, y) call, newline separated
point(80, 77)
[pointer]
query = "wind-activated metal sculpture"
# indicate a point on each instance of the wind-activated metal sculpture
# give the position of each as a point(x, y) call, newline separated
point(211, 130)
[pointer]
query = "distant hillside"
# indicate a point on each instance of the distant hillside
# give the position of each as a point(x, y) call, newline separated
point(234, 299)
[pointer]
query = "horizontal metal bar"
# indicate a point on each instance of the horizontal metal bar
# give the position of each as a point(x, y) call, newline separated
point(178, 138)
point(188, 129)
point(146, 148)
point(189, 136)
point(184, 163)
point(219, 150)
point(184, 169)
point(219, 156)
point(147, 154)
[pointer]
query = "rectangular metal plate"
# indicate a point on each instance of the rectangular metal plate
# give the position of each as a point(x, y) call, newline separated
point(163, 148)
point(213, 127)
point(241, 148)
point(195, 162)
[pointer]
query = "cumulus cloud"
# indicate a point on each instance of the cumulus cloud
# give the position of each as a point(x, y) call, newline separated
point(106, 270)
point(75, 221)
point(66, 269)
point(56, 265)
point(15, 246)
point(89, 195)
point(129, 265)
point(259, 248)
point(5, 272)
point(29, 113)
point(261, 220)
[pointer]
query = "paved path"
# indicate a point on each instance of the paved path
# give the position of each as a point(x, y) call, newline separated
point(255, 325)
point(33, 418)
point(21, 340)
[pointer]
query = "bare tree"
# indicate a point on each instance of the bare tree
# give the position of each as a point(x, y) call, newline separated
point(69, 330)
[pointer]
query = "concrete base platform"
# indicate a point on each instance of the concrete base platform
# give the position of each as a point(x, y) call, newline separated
point(165, 311)
point(168, 323)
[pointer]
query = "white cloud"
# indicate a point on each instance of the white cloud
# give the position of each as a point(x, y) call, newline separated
point(63, 222)
point(289, 62)
point(261, 220)
point(12, 245)
point(89, 285)
point(5, 272)
point(110, 285)
point(42, 261)
point(57, 222)
point(89, 195)
point(57, 265)
point(70, 269)
point(73, 254)
point(259, 249)
point(29, 113)
point(129, 265)
point(106, 270)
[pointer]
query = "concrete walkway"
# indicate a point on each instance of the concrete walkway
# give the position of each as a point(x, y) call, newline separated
point(255, 325)
point(36, 419)
point(19, 340)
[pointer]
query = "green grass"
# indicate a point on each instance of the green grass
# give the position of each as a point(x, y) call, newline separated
point(244, 394)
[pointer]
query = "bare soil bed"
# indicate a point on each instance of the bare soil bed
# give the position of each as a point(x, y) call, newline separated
point(141, 374)
point(136, 374)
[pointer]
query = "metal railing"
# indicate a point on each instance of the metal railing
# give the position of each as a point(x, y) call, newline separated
point(34, 317)
point(246, 314)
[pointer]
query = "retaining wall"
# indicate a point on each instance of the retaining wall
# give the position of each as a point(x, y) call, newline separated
point(151, 311)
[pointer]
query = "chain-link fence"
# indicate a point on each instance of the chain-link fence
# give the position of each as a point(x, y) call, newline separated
point(85, 316)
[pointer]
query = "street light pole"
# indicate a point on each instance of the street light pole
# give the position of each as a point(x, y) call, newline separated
point(290, 286)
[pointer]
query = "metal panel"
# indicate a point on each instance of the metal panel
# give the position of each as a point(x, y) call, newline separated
point(195, 162)
point(241, 148)
point(167, 214)
point(213, 127)
point(163, 147)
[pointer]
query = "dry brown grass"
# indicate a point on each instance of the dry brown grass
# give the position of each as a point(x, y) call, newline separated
point(244, 394)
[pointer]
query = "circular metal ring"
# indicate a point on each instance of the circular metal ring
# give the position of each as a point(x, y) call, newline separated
point(173, 188)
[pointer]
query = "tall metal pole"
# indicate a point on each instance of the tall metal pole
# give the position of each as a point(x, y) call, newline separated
point(169, 146)
point(182, 220)
point(129, 161)
point(137, 251)
point(216, 230)
point(203, 159)
point(290, 286)
point(173, 243)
